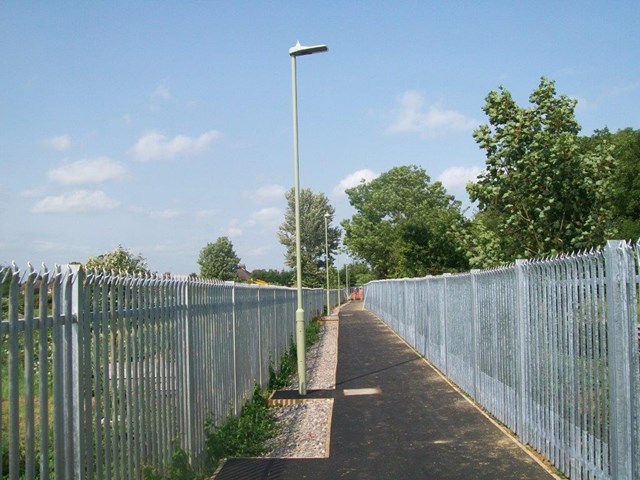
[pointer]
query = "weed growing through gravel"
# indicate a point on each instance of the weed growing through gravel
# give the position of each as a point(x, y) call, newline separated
point(244, 435)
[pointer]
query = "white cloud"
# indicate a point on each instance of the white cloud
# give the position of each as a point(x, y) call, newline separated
point(458, 177)
point(234, 230)
point(269, 192)
point(622, 89)
point(60, 143)
point(155, 146)
point(97, 170)
point(36, 192)
point(78, 201)
point(47, 246)
point(581, 102)
point(205, 213)
point(262, 250)
point(167, 213)
point(434, 122)
point(161, 93)
point(268, 216)
point(352, 180)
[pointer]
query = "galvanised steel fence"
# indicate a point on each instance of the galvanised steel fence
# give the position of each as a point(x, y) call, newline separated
point(549, 347)
point(103, 374)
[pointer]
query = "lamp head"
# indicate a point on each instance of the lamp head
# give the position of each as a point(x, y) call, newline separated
point(299, 50)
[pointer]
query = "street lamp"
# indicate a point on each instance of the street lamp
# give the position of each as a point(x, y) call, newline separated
point(326, 256)
point(338, 272)
point(346, 274)
point(298, 51)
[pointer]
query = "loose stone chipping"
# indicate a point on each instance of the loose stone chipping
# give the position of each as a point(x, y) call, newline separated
point(305, 428)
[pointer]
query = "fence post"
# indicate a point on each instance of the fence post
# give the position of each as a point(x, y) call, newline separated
point(474, 329)
point(260, 339)
point(623, 359)
point(444, 323)
point(522, 296)
point(235, 341)
point(13, 373)
point(74, 416)
point(188, 370)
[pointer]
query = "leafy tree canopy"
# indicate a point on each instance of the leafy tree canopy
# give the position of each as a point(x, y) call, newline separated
point(405, 225)
point(541, 192)
point(274, 277)
point(360, 273)
point(313, 207)
point(120, 260)
point(218, 260)
point(625, 178)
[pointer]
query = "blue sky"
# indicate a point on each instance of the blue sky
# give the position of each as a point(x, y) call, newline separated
point(162, 126)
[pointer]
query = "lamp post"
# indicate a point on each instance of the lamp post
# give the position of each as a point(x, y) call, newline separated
point(326, 258)
point(346, 273)
point(294, 52)
point(338, 271)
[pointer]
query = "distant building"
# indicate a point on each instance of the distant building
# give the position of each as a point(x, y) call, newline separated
point(242, 273)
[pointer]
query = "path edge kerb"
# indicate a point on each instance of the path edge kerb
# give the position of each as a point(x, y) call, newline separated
point(533, 454)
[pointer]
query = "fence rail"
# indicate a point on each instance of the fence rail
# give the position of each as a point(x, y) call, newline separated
point(102, 374)
point(549, 347)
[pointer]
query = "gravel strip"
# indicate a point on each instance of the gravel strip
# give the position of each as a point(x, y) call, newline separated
point(305, 428)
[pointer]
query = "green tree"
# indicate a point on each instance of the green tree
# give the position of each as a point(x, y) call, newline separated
point(218, 260)
point(541, 192)
point(625, 181)
point(120, 260)
point(484, 248)
point(360, 273)
point(405, 225)
point(274, 277)
point(313, 207)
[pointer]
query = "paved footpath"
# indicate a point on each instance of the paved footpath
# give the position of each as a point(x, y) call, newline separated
point(394, 418)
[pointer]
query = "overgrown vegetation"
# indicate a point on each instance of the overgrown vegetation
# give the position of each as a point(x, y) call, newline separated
point(280, 378)
point(177, 469)
point(244, 435)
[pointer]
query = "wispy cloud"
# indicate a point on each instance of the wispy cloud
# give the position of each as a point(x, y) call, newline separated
point(353, 180)
point(156, 146)
point(78, 201)
point(582, 103)
point(47, 246)
point(267, 216)
point(622, 89)
point(432, 121)
point(161, 93)
point(456, 178)
point(35, 192)
point(205, 213)
point(97, 170)
point(234, 230)
point(269, 192)
point(261, 250)
point(59, 143)
point(165, 213)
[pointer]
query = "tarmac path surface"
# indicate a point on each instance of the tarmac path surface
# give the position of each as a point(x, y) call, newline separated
point(395, 417)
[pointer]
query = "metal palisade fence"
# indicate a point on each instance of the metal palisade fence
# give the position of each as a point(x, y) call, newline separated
point(102, 374)
point(549, 347)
